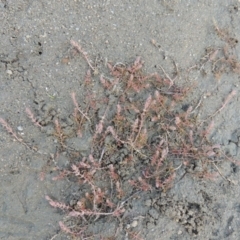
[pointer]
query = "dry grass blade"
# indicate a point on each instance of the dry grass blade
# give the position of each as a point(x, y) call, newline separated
point(73, 95)
point(227, 100)
point(14, 134)
point(79, 49)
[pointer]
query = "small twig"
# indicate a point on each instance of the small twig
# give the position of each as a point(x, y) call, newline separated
point(123, 202)
point(181, 177)
point(136, 150)
point(228, 98)
point(172, 82)
point(164, 92)
point(227, 179)
point(77, 107)
point(54, 236)
point(176, 67)
point(199, 103)
point(156, 45)
point(78, 47)
point(102, 153)
point(119, 209)
point(10, 131)
point(99, 126)
point(214, 64)
point(178, 167)
point(146, 106)
point(32, 117)
point(119, 63)
point(205, 59)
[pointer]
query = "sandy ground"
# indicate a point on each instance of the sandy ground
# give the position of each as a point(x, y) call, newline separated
point(36, 72)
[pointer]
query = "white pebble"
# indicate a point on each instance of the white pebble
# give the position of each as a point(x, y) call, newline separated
point(20, 128)
point(9, 72)
point(134, 223)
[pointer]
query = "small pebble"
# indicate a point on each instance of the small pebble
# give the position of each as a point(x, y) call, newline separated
point(134, 223)
point(20, 128)
point(9, 72)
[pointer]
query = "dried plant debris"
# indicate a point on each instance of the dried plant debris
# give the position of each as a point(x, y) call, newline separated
point(220, 60)
point(137, 133)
